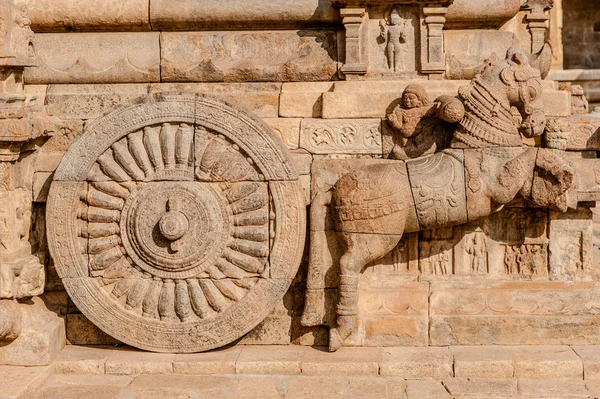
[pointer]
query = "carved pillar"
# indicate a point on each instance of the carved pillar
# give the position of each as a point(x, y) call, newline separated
point(356, 56)
point(29, 333)
point(538, 22)
point(433, 61)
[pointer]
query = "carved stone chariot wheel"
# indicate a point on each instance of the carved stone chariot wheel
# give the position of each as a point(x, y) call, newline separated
point(176, 223)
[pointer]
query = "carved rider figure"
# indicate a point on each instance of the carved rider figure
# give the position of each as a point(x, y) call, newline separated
point(421, 132)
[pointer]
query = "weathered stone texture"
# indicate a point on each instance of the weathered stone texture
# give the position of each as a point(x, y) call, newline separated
point(95, 58)
point(66, 15)
point(533, 313)
point(260, 98)
point(41, 338)
point(417, 362)
point(248, 56)
point(190, 14)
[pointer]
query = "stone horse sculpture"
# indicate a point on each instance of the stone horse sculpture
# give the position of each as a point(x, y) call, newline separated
point(485, 167)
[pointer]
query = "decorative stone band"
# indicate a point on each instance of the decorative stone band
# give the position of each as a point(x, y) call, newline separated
point(369, 211)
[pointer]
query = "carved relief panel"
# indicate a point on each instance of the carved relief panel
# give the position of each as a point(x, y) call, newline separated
point(176, 224)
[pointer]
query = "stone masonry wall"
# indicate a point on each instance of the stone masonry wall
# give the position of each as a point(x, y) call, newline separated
point(503, 280)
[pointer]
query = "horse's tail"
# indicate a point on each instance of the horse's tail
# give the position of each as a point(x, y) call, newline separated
point(319, 262)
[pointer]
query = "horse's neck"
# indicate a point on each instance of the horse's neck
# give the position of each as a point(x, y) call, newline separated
point(488, 121)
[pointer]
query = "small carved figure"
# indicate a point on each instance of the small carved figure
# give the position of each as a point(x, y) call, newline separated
point(476, 250)
point(394, 34)
point(421, 125)
point(510, 260)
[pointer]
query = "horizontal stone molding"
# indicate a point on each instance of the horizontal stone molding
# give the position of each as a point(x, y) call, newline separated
point(484, 13)
point(232, 14)
point(248, 56)
point(95, 58)
point(82, 15)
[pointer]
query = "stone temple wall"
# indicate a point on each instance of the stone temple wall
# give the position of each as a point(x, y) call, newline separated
point(324, 76)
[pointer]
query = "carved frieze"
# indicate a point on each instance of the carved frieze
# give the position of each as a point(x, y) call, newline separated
point(343, 136)
point(189, 219)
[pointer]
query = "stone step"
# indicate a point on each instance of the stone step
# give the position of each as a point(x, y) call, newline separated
point(513, 362)
point(228, 386)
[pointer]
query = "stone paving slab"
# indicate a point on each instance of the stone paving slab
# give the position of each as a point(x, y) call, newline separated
point(231, 386)
point(18, 382)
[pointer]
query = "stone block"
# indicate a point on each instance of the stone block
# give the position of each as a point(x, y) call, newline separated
point(81, 360)
point(261, 386)
point(220, 361)
point(81, 331)
point(531, 388)
point(127, 57)
point(482, 362)
point(303, 99)
point(88, 101)
point(274, 330)
point(302, 160)
point(41, 339)
point(467, 49)
point(48, 161)
point(557, 103)
point(128, 361)
point(571, 241)
point(426, 389)
point(344, 136)
point(590, 356)
point(484, 388)
point(259, 98)
point(41, 186)
point(288, 129)
point(235, 14)
point(270, 360)
point(209, 386)
point(393, 313)
point(67, 15)
point(346, 361)
point(316, 387)
point(278, 56)
point(519, 313)
point(551, 362)
point(416, 362)
point(375, 388)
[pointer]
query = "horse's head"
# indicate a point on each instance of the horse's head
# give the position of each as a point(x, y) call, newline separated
point(523, 87)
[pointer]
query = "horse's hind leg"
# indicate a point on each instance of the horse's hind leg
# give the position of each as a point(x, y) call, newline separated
point(361, 249)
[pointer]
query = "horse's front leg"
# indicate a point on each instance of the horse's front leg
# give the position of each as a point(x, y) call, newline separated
point(362, 249)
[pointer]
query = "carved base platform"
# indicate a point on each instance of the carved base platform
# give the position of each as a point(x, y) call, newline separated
point(41, 339)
